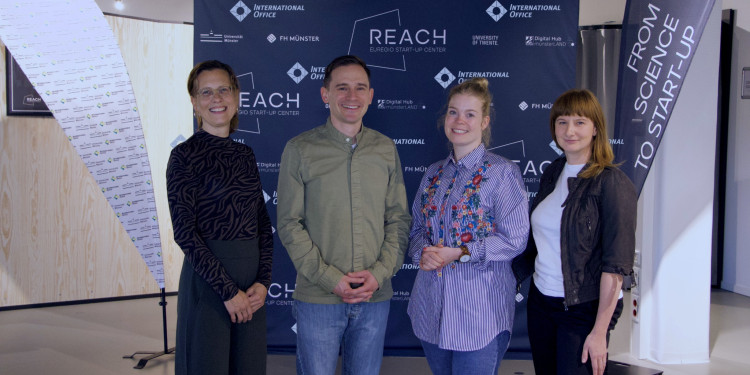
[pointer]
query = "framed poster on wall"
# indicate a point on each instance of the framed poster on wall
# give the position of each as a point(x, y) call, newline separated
point(23, 100)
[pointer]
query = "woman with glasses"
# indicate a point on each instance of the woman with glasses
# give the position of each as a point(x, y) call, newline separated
point(221, 224)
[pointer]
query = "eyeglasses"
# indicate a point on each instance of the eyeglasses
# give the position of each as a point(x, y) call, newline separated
point(222, 92)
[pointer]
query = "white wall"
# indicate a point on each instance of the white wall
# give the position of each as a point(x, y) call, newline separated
point(736, 275)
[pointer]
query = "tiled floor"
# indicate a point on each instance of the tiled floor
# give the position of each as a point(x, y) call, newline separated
point(92, 338)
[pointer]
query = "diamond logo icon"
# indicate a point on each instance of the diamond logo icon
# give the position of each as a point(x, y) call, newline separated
point(523, 106)
point(554, 147)
point(445, 77)
point(271, 38)
point(266, 197)
point(180, 138)
point(496, 11)
point(240, 11)
point(297, 73)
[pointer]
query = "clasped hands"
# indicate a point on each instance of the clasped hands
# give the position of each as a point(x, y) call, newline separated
point(359, 294)
point(437, 257)
point(243, 305)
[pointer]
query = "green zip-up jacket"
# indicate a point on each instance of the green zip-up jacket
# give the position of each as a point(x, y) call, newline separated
point(342, 209)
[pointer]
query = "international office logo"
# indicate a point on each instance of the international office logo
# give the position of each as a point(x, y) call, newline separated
point(271, 38)
point(445, 77)
point(240, 11)
point(556, 149)
point(496, 11)
point(523, 106)
point(273, 198)
point(297, 73)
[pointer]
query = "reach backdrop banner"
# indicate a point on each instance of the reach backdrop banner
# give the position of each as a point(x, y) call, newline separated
point(659, 38)
point(416, 50)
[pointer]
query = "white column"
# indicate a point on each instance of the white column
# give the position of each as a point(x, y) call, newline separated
point(737, 236)
point(675, 221)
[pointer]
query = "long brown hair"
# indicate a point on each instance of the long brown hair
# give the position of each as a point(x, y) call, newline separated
point(214, 65)
point(581, 102)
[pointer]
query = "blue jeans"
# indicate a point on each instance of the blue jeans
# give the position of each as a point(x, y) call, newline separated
point(485, 361)
point(358, 329)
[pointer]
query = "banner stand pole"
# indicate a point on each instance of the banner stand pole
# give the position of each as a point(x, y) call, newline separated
point(151, 355)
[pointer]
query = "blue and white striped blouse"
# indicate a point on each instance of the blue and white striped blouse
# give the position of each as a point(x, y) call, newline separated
point(467, 304)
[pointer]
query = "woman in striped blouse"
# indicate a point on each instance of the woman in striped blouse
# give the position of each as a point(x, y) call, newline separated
point(470, 219)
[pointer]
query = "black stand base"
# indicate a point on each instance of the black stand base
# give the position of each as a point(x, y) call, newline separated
point(151, 355)
point(619, 368)
point(142, 362)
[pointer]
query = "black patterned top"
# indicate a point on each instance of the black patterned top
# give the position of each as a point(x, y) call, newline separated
point(214, 191)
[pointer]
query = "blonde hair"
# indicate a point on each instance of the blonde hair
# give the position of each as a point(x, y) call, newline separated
point(581, 102)
point(479, 88)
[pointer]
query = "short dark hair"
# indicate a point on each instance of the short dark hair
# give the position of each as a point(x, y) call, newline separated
point(214, 65)
point(344, 61)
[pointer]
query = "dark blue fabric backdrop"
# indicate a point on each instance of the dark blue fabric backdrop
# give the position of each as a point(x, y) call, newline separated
point(416, 50)
point(659, 38)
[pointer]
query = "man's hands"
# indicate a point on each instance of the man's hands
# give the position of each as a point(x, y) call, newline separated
point(361, 294)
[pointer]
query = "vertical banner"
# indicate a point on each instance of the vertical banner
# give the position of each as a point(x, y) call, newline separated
point(416, 52)
point(659, 38)
point(69, 54)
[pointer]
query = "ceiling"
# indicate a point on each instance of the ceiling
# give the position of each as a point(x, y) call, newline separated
point(593, 12)
point(176, 11)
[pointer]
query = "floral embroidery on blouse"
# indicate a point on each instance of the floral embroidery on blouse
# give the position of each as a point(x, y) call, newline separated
point(469, 220)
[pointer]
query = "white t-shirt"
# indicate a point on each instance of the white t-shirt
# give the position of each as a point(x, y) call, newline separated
point(545, 225)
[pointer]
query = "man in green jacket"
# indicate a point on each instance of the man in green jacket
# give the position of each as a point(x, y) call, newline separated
point(344, 220)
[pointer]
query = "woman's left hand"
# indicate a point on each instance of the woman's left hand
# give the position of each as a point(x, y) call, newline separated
point(257, 294)
point(595, 348)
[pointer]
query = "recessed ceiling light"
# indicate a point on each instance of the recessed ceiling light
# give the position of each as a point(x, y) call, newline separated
point(119, 5)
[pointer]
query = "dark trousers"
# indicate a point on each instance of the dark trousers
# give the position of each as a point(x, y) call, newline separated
point(557, 334)
point(208, 343)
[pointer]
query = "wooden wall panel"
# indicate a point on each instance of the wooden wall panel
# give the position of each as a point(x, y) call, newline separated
point(59, 238)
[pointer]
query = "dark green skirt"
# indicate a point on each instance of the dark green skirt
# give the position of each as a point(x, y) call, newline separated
point(207, 340)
